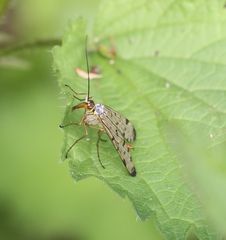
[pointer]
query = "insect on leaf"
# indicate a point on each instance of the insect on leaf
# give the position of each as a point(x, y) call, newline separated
point(168, 78)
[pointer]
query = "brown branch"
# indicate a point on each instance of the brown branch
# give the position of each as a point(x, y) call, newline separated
point(13, 48)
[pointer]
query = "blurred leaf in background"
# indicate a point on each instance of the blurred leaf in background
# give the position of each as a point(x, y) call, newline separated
point(38, 198)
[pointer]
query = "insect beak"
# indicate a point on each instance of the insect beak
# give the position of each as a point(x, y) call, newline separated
point(80, 105)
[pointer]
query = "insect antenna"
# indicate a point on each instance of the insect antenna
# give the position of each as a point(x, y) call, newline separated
point(87, 65)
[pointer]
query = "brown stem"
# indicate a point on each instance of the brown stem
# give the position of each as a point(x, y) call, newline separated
point(45, 43)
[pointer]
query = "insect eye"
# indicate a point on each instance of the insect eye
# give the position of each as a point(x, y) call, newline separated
point(90, 104)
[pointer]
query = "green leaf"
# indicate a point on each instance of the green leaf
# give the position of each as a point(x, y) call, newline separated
point(168, 78)
point(3, 4)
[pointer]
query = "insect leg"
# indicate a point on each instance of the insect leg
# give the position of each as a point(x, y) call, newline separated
point(68, 124)
point(73, 123)
point(129, 146)
point(97, 144)
point(76, 141)
point(75, 93)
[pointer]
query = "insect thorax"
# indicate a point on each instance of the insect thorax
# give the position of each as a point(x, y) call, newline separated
point(99, 109)
point(92, 116)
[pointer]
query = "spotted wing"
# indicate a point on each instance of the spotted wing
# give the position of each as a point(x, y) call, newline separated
point(123, 125)
point(115, 127)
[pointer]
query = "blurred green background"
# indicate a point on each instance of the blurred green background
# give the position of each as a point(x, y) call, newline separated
point(38, 198)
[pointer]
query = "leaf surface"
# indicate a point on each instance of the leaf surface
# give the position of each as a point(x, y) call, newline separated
point(168, 79)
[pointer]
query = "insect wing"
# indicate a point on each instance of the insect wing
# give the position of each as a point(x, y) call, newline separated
point(114, 126)
point(123, 125)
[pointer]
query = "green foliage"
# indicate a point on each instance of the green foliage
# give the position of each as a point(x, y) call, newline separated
point(169, 80)
point(2, 5)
